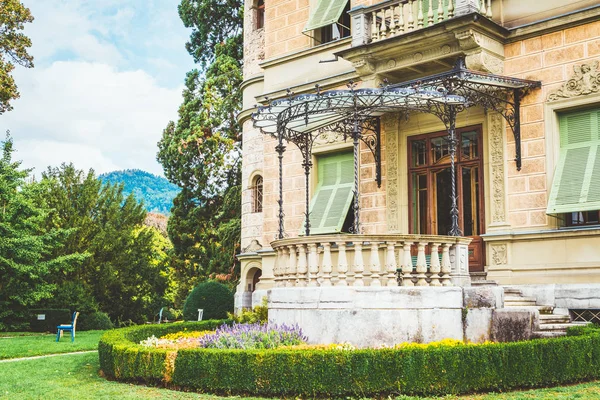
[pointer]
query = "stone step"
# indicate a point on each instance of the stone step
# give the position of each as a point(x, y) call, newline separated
point(483, 283)
point(512, 291)
point(519, 298)
point(555, 327)
point(519, 303)
point(541, 309)
point(548, 334)
point(554, 318)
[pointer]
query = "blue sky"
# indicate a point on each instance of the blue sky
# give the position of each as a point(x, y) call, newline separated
point(108, 77)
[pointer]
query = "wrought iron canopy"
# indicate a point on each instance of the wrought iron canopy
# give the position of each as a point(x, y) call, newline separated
point(354, 113)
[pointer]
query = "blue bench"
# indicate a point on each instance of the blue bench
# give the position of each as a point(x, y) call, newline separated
point(70, 328)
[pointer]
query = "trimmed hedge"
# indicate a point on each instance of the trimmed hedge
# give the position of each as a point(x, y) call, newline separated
point(366, 372)
point(94, 321)
point(123, 358)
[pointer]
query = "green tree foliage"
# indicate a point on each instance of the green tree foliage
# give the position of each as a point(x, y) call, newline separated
point(213, 297)
point(27, 244)
point(200, 152)
point(126, 272)
point(13, 48)
point(156, 192)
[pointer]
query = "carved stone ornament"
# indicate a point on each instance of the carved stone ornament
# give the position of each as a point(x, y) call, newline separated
point(499, 254)
point(585, 80)
point(252, 247)
point(390, 126)
point(497, 163)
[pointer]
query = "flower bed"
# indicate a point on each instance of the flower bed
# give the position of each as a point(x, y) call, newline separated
point(340, 370)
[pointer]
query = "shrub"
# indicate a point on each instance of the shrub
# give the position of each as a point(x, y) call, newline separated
point(253, 336)
point(444, 368)
point(122, 357)
point(52, 318)
point(257, 314)
point(213, 297)
point(94, 321)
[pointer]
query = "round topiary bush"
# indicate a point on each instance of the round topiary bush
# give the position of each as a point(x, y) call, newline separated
point(213, 297)
point(94, 321)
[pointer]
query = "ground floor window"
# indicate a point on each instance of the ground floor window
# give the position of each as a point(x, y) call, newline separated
point(575, 192)
point(332, 198)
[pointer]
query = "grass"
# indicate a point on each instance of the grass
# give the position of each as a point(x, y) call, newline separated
point(40, 344)
point(76, 376)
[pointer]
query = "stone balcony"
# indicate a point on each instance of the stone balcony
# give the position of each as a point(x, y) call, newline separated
point(371, 260)
point(405, 39)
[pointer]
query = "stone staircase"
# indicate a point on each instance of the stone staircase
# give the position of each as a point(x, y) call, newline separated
point(550, 324)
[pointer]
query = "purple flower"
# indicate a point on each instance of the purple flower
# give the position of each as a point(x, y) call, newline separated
point(253, 336)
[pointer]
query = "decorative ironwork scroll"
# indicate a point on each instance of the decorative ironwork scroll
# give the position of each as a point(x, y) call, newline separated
point(334, 115)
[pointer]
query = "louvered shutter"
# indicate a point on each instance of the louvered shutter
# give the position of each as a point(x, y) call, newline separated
point(333, 195)
point(326, 12)
point(576, 183)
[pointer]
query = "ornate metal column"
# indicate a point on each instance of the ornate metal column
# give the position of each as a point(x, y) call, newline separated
point(280, 148)
point(451, 114)
point(307, 164)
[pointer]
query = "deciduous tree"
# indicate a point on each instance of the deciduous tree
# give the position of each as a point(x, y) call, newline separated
point(13, 48)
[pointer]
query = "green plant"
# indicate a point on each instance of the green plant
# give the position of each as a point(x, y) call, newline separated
point(257, 314)
point(411, 370)
point(213, 297)
point(94, 321)
point(122, 357)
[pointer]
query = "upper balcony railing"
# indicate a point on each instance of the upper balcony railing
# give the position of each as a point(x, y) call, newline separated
point(397, 17)
point(371, 260)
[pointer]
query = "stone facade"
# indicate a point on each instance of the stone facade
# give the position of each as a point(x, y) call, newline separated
point(522, 243)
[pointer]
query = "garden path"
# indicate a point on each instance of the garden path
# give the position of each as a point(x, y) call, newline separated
point(46, 356)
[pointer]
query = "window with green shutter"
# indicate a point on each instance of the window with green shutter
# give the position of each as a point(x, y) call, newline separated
point(576, 184)
point(334, 193)
point(328, 21)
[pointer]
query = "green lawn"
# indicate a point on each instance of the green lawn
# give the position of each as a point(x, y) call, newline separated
point(34, 345)
point(76, 376)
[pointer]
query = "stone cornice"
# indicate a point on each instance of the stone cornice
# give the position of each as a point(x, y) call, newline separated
point(478, 38)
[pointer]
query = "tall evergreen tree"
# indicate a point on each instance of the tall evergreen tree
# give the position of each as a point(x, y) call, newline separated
point(123, 274)
point(27, 245)
point(200, 152)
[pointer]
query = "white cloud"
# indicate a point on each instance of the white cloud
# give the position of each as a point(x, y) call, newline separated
point(91, 114)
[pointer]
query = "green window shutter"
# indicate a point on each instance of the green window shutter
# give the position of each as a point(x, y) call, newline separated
point(576, 183)
point(326, 12)
point(333, 195)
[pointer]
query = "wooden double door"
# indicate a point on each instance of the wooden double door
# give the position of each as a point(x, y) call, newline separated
point(430, 187)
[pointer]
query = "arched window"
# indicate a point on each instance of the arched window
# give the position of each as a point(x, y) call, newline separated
point(260, 14)
point(257, 194)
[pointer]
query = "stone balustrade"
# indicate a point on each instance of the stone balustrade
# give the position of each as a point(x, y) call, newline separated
point(393, 18)
point(371, 260)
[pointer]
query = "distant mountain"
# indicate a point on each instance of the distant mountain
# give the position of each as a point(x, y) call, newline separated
point(156, 192)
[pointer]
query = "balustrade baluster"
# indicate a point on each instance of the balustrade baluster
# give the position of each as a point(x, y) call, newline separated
point(440, 11)
point(410, 20)
point(302, 266)
point(450, 9)
point(489, 9)
point(420, 17)
point(482, 7)
point(446, 268)
point(421, 264)
point(434, 265)
point(401, 18)
point(393, 27)
point(374, 32)
point(359, 265)
point(391, 265)
point(277, 267)
point(342, 264)
point(383, 27)
point(407, 266)
point(430, 13)
point(291, 267)
point(375, 264)
point(326, 265)
point(313, 265)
